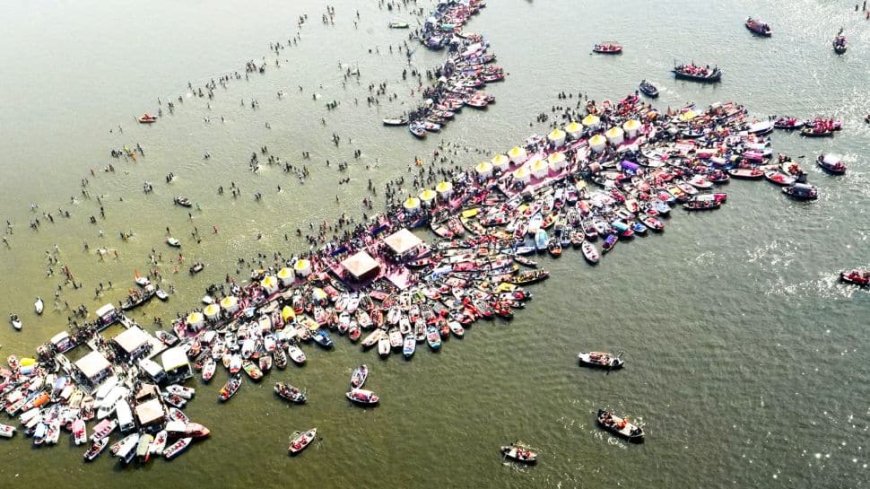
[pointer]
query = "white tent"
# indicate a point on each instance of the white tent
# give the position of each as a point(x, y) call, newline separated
point(94, 366)
point(402, 241)
point(361, 265)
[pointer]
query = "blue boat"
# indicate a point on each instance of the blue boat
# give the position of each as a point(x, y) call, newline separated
point(541, 240)
point(322, 338)
point(639, 227)
point(662, 208)
point(610, 242)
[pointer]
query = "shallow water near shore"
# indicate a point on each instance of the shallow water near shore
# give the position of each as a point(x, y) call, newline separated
point(747, 360)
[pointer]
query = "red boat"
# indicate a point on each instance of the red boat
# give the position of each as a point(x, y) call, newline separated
point(147, 119)
point(857, 276)
point(607, 48)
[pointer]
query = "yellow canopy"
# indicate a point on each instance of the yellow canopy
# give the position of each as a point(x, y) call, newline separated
point(443, 187)
point(631, 125)
point(412, 203)
point(591, 120)
point(556, 134)
point(212, 310)
point(288, 314)
point(483, 167)
point(427, 195)
point(597, 139)
point(301, 265)
point(516, 152)
point(556, 157)
point(229, 302)
point(500, 160)
point(687, 115)
point(573, 127)
point(285, 273)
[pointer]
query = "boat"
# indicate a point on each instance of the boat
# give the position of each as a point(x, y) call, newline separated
point(590, 253)
point(143, 451)
point(758, 27)
point(788, 123)
point(7, 431)
point(300, 440)
point(648, 89)
point(177, 448)
point(296, 354)
point(162, 295)
point(697, 73)
point(167, 338)
point(817, 131)
point(620, 426)
point(418, 129)
point(182, 201)
point(322, 338)
point(608, 47)
point(39, 305)
point(778, 177)
point(701, 205)
point(398, 121)
point(138, 297)
point(433, 338)
point(525, 261)
point(290, 393)
point(519, 452)
point(839, 43)
point(363, 397)
point(103, 429)
point(856, 276)
point(230, 388)
point(252, 370)
point(15, 321)
point(159, 443)
point(173, 242)
point(399, 25)
point(600, 360)
point(181, 391)
point(542, 240)
point(831, 163)
point(79, 431)
point(384, 346)
point(196, 268)
point(801, 191)
point(409, 346)
point(746, 173)
point(125, 449)
point(96, 449)
point(359, 376)
point(457, 329)
point(554, 248)
point(147, 119)
point(609, 242)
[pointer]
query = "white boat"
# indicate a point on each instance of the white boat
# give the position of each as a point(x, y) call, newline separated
point(159, 443)
point(600, 360)
point(384, 346)
point(176, 448)
point(96, 448)
point(359, 376)
point(162, 295)
point(395, 337)
point(79, 431)
point(296, 354)
point(298, 441)
point(39, 305)
point(7, 431)
point(409, 346)
point(142, 281)
point(173, 242)
point(15, 321)
point(181, 391)
point(125, 449)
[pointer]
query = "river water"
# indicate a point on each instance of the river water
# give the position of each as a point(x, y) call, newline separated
point(747, 360)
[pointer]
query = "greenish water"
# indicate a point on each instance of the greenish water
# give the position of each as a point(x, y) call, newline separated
point(748, 362)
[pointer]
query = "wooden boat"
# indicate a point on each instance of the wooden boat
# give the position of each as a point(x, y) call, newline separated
point(608, 47)
point(359, 376)
point(296, 354)
point(703, 74)
point(832, 164)
point(816, 132)
point(600, 360)
point(147, 119)
point(182, 201)
point(230, 388)
point(363, 397)
point(620, 426)
point(554, 247)
point(856, 276)
point(372, 338)
point(395, 336)
point(265, 362)
point(300, 440)
point(758, 27)
point(96, 449)
point(290, 393)
point(208, 369)
point(746, 173)
point(801, 191)
point(519, 452)
point(590, 253)
point(384, 346)
point(409, 346)
point(779, 178)
point(398, 121)
point(281, 360)
point(456, 328)
point(418, 129)
point(701, 205)
point(177, 448)
point(252, 370)
point(530, 276)
point(433, 338)
point(648, 89)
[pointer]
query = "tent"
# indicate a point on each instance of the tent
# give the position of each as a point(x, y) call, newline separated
point(361, 266)
point(133, 341)
point(150, 412)
point(402, 241)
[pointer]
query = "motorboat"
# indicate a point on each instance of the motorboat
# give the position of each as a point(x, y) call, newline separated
point(693, 72)
point(600, 360)
point(621, 427)
point(648, 89)
point(856, 276)
point(363, 397)
point(608, 47)
point(39, 305)
point(519, 452)
point(758, 27)
point(15, 321)
point(801, 191)
point(831, 163)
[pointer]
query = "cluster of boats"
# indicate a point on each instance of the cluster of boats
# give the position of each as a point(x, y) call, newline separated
point(49, 404)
